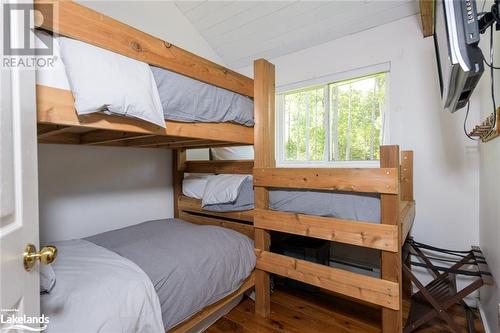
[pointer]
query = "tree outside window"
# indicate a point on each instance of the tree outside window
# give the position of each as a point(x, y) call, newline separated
point(339, 121)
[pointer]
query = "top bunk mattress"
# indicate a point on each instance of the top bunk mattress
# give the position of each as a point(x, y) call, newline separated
point(343, 205)
point(77, 64)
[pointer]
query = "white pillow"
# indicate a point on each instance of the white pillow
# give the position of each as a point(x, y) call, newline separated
point(232, 153)
point(53, 76)
point(222, 189)
point(47, 278)
point(102, 80)
point(193, 184)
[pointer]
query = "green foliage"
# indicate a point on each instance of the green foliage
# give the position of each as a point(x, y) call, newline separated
point(355, 114)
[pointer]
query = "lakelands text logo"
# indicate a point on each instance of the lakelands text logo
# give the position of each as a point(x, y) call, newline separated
point(22, 48)
point(10, 320)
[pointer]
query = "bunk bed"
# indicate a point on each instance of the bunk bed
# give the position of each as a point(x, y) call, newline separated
point(393, 181)
point(59, 123)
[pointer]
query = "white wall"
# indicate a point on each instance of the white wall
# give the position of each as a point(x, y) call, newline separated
point(86, 190)
point(446, 163)
point(489, 213)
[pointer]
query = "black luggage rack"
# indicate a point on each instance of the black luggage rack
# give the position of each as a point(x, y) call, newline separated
point(435, 298)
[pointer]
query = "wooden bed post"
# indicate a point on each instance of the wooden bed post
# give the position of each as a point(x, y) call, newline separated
point(178, 167)
point(392, 320)
point(406, 195)
point(407, 175)
point(264, 94)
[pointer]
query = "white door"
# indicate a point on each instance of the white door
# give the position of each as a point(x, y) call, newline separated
point(19, 289)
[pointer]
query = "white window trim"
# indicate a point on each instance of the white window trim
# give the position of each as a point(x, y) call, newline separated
point(322, 81)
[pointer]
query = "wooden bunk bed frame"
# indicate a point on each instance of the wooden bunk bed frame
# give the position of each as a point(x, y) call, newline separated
point(393, 181)
point(58, 123)
point(397, 214)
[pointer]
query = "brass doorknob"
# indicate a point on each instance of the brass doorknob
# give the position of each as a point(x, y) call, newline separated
point(46, 255)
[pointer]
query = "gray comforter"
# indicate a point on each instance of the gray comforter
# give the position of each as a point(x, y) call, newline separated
point(191, 266)
point(345, 205)
point(188, 100)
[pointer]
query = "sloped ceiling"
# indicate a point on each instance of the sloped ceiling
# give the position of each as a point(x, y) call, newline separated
point(241, 31)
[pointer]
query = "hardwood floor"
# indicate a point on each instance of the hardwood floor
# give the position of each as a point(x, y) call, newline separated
point(296, 311)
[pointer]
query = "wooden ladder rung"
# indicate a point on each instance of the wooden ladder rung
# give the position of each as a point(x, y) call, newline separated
point(366, 288)
point(372, 235)
point(365, 180)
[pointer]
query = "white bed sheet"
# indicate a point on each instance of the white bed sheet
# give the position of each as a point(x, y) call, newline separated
point(92, 295)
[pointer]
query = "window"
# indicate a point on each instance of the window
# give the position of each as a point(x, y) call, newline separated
point(337, 122)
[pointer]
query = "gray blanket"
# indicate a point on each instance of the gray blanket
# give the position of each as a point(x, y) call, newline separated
point(344, 205)
point(191, 266)
point(188, 100)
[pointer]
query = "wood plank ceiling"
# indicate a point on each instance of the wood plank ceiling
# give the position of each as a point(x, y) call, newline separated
point(241, 31)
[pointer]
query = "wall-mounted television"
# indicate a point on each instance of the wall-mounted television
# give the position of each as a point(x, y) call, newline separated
point(460, 61)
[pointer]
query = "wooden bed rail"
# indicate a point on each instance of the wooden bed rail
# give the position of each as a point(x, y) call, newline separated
point(205, 219)
point(191, 205)
point(73, 20)
point(365, 234)
point(220, 166)
point(368, 180)
point(358, 286)
point(195, 320)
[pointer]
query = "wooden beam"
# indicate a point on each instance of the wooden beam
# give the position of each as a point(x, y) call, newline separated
point(169, 142)
point(104, 137)
point(371, 235)
point(194, 205)
point(392, 319)
point(154, 141)
point(407, 175)
point(205, 144)
point(62, 138)
point(221, 166)
point(56, 106)
point(188, 325)
point(407, 218)
point(42, 134)
point(242, 228)
point(370, 180)
point(358, 286)
point(178, 166)
point(427, 16)
point(264, 114)
point(82, 23)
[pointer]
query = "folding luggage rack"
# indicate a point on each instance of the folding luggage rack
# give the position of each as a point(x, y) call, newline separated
point(435, 298)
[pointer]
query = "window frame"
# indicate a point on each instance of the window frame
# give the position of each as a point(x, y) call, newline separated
point(325, 81)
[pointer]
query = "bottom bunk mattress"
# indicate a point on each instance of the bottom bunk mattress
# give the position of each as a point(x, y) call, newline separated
point(190, 267)
point(344, 205)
